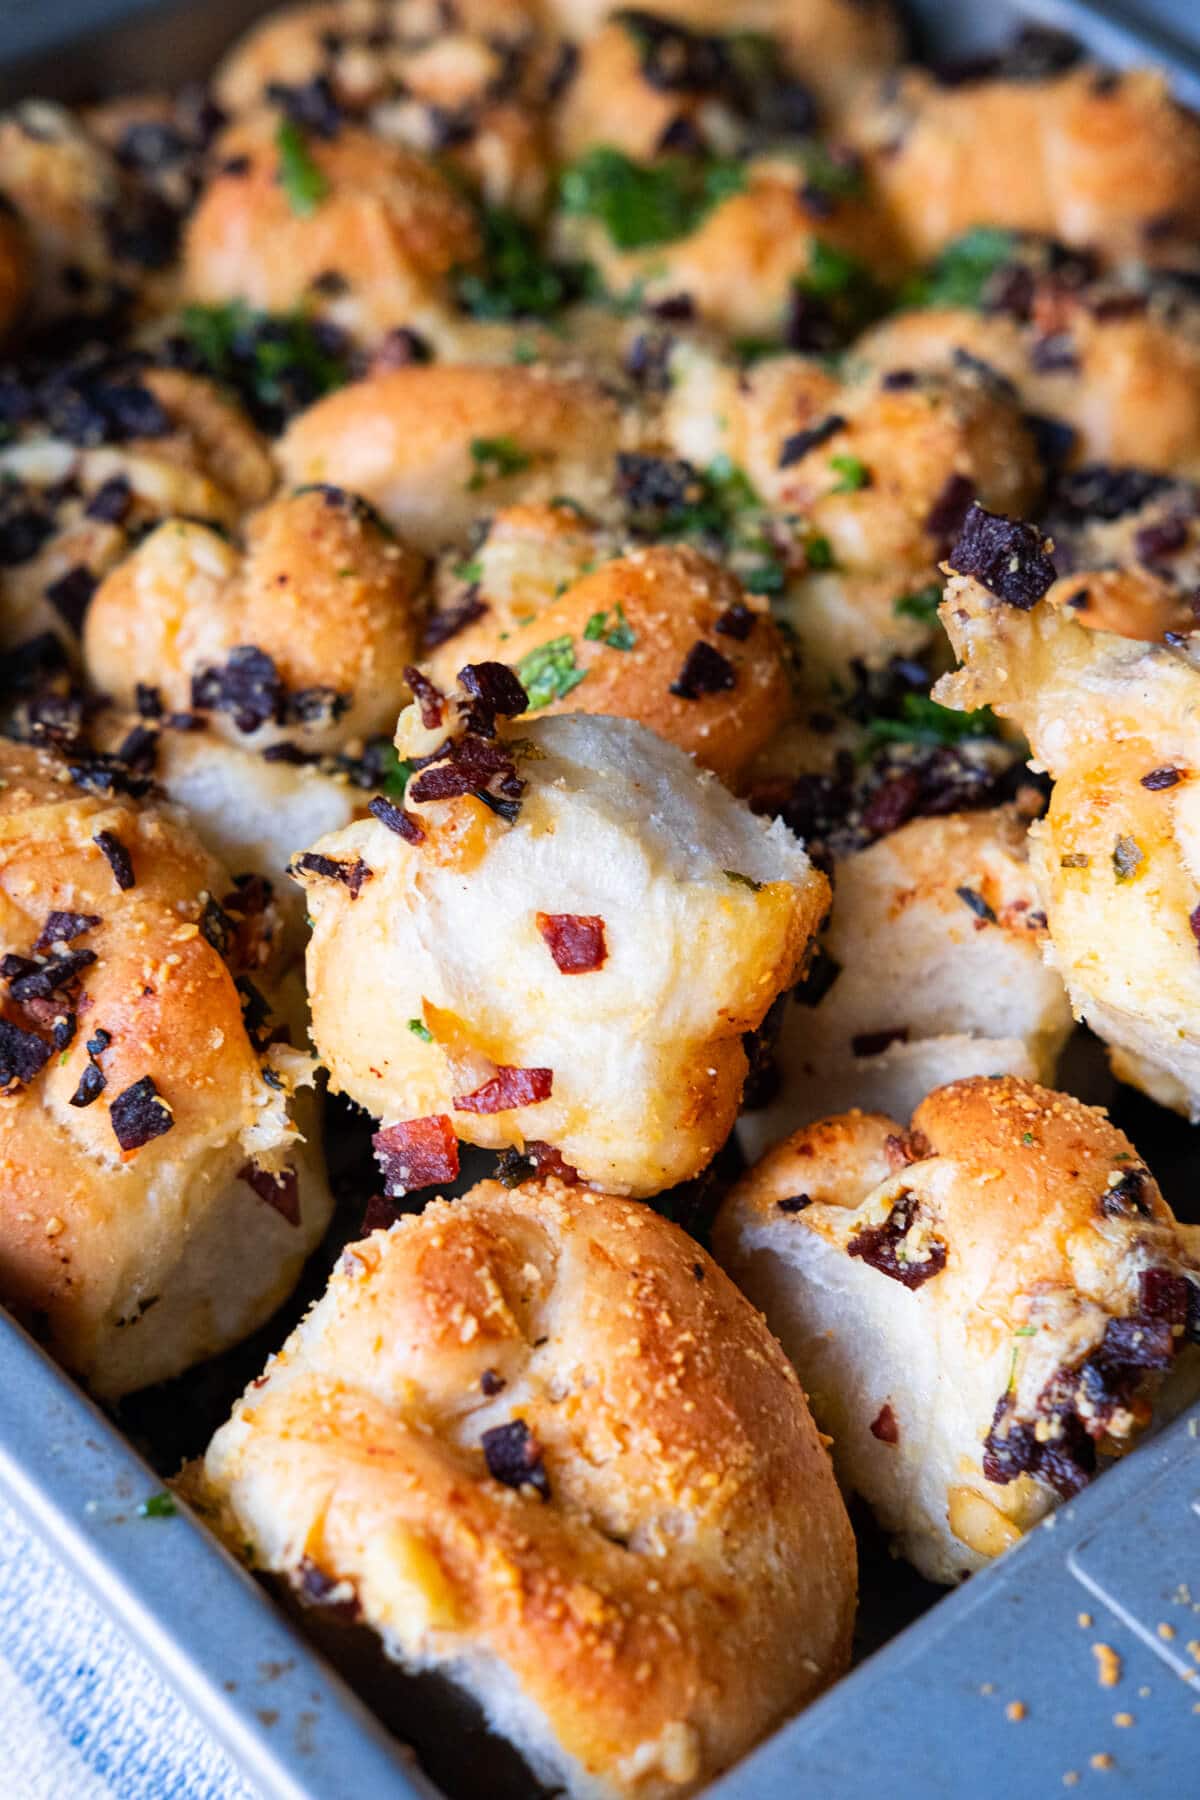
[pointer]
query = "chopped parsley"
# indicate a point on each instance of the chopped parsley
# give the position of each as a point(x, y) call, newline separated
point(550, 672)
point(746, 881)
point(516, 280)
point(960, 275)
point(301, 180)
point(641, 204)
point(852, 474)
point(923, 721)
point(921, 605)
point(421, 1030)
point(469, 571)
point(619, 635)
point(818, 552)
point(494, 458)
point(276, 363)
point(395, 773)
point(158, 1506)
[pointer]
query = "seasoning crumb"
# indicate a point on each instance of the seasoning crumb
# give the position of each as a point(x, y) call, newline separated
point(1108, 1663)
point(1143, 1693)
point(1085, 1619)
point(1071, 1778)
point(1123, 1719)
point(987, 1687)
point(1166, 1631)
point(1101, 1760)
point(1016, 1710)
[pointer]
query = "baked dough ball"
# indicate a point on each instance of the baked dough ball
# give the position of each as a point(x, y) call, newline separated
point(877, 475)
point(433, 448)
point(381, 223)
point(147, 443)
point(1117, 857)
point(933, 953)
point(572, 958)
point(1088, 156)
point(252, 809)
point(306, 633)
point(544, 1446)
point(470, 89)
point(633, 631)
point(160, 1182)
point(740, 263)
point(834, 45)
point(977, 1309)
point(1119, 367)
point(90, 234)
point(643, 84)
point(1132, 603)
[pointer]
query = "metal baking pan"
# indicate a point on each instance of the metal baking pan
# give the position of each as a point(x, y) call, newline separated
point(990, 1691)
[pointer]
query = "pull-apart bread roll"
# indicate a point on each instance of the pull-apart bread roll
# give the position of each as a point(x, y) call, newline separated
point(688, 45)
point(561, 936)
point(104, 449)
point(284, 207)
point(305, 632)
point(976, 1308)
point(1116, 363)
point(288, 651)
point(1117, 858)
point(538, 1441)
point(864, 482)
point(157, 1198)
point(434, 448)
point(1081, 154)
point(931, 968)
point(468, 86)
point(631, 630)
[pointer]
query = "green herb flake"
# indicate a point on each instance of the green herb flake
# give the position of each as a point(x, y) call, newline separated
point(746, 881)
point(550, 672)
point(960, 275)
point(1027, 1137)
point(494, 458)
point(470, 571)
point(1127, 858)
point(923, 721)
point(395, 773)
point(642, 204)
point(274, 362)
point(921, 605)
point(158, 1506)
point(818, 553)
point(619, 635)
point(852, 474)
point(420, 1030)
point(302, 181)
point(515, 279)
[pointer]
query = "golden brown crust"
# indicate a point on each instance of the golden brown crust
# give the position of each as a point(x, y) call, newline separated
point(664, 600)
point(1130, 390)
point(707, 916)
point(388, 223)
point(1086, 159)
point(966, 1302)
point(88, 1229)
point(686, 1483)
point(1116, 856)
point(404, 440)
point(322, 588)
